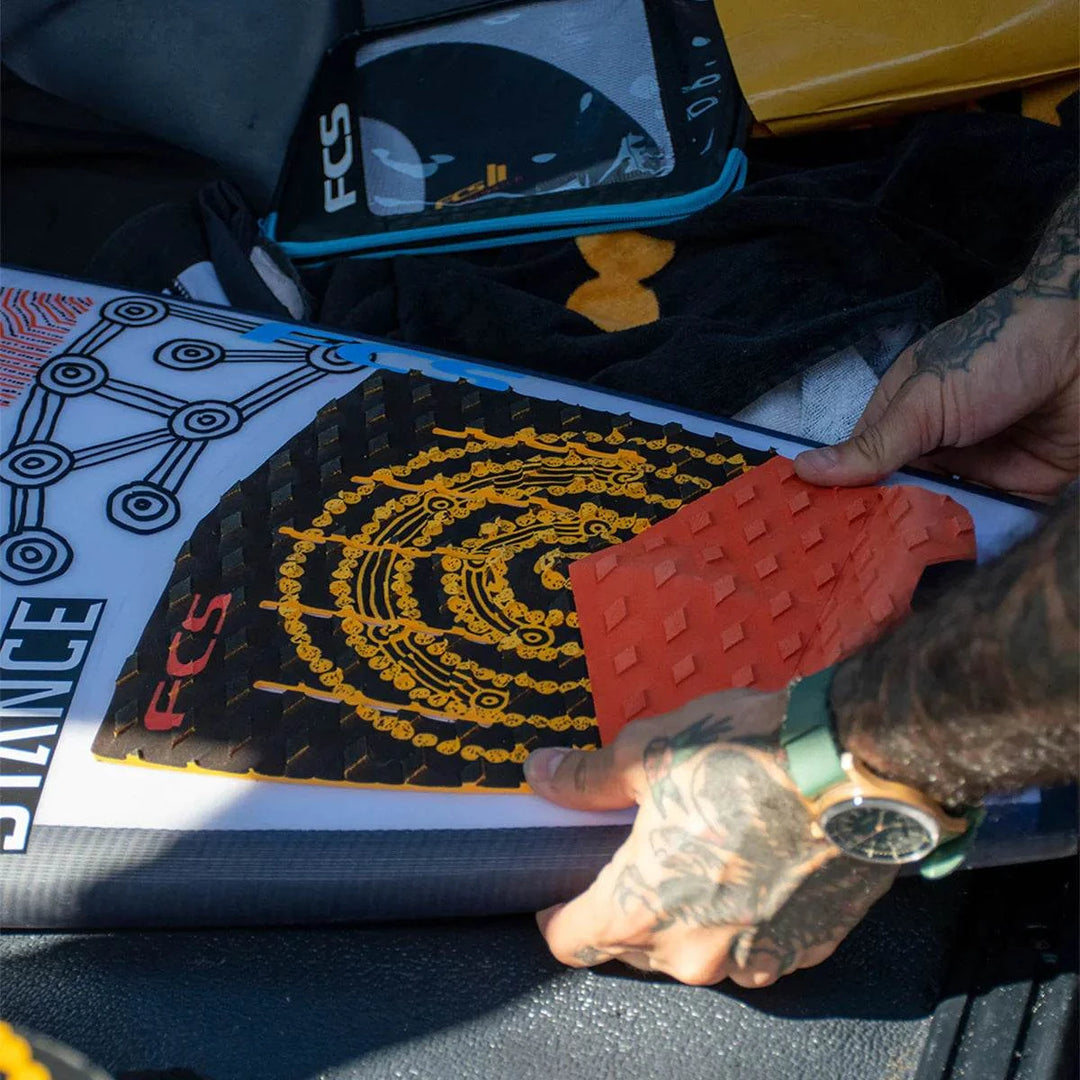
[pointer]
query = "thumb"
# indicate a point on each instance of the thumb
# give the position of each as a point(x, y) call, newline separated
point(580, 779)
point(896, 438)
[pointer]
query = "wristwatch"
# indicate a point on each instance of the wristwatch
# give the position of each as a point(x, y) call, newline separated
point(865, 816)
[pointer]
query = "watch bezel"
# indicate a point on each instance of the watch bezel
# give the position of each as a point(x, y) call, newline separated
point(870, 802)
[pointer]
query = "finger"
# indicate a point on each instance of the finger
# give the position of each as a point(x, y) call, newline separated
point(1000, 465)
point(573, 953)
point(817, 954)
point(909, 427)
point(585, 955)
point(581, 779)
point(591, 956)
point(697, 956)
point(592, 928)
point(636, 958)
point(897, 374)
point(764, 969)
point(696, 963)
point(755, 977)
point(755, 960)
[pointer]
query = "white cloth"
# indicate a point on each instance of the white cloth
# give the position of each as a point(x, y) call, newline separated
point(823, 403)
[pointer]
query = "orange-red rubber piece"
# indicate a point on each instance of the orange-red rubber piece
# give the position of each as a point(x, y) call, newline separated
point(762, 579)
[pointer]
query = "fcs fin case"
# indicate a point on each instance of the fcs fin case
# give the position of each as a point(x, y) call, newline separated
point(457, 126)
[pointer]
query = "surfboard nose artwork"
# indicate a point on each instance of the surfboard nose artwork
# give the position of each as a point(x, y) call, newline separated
point(386, 601)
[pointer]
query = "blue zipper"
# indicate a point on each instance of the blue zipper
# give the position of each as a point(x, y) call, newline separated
point(550, 224)
point(501, 241)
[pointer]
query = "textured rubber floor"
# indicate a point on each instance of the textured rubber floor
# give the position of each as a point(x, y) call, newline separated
point(476, 1000)
point(482, 998)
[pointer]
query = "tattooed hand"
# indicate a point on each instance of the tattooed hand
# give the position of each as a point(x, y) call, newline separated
point(725, 873)
point(992, 396)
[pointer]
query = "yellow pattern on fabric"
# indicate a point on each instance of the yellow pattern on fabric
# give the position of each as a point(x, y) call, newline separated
point(616, 299)
point(509, 490)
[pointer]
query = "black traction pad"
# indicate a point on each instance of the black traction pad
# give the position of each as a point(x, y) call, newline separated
point(386, 601)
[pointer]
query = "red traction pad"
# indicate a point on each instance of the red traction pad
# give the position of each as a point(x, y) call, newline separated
point(760, 580)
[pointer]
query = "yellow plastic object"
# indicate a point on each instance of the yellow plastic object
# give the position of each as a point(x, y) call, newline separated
point(1040, 102)
point(813, 63)
point(17, 1057)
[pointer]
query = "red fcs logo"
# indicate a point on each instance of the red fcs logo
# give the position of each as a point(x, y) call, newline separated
point(332, 129)
point(177, 667)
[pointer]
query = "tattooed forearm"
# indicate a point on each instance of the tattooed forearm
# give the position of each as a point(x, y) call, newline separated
point(1052, 274)
point(979, 693)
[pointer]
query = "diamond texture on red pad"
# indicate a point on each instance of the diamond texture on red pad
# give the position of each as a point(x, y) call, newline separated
point(752, 584)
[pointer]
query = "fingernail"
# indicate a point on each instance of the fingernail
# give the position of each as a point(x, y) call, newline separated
point(544, 917)
point(540, 765)
point(824, 457)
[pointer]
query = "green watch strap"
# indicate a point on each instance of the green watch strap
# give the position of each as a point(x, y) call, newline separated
point(813, 762)
point(806, 735)
point(949, 856)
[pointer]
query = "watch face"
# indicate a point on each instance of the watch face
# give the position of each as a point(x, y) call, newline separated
point(880, 830)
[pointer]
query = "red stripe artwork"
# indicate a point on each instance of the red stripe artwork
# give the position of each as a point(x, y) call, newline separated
point(32, 326)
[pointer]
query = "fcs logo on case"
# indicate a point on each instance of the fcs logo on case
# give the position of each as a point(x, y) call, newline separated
point(332, 129)
point(494, 177)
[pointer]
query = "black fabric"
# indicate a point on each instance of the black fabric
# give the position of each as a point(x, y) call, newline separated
point(153, 251)
point(85, 197)
point(231, 234)
point(71, 178)
point(225, 80)
point(800, 263)
point(832, 238)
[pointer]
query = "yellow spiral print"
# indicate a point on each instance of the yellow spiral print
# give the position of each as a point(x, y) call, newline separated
point(485, 521)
